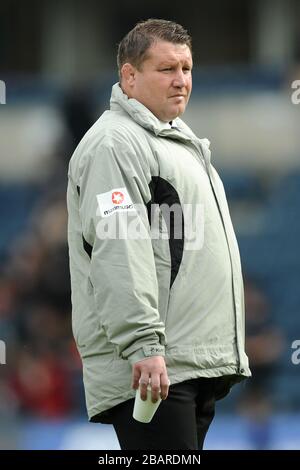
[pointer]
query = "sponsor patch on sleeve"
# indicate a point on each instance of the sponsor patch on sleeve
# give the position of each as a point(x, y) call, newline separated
point(116, 200)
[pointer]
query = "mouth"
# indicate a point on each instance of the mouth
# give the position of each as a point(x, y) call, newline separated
point(178, 96)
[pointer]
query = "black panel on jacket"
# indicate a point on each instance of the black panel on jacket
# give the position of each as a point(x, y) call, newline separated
point(86, 246)
point(163, 193)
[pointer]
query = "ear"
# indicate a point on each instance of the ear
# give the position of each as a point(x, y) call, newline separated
point(128, 73)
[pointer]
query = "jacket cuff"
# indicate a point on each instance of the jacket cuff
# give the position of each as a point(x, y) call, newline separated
point(146, 351)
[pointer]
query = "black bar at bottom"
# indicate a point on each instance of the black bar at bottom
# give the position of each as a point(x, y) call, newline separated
point(129, 459)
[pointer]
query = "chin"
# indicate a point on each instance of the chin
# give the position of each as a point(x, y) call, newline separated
point(178, 112)
point(173, 114)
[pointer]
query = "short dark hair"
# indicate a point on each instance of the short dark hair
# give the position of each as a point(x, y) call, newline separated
point(134, 46)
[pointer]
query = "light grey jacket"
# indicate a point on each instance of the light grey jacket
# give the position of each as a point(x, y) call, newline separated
point(138, 296)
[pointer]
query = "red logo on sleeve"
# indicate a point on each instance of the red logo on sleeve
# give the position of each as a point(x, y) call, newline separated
point(117, 197)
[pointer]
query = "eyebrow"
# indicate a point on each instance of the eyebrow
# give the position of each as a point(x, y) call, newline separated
point(172, 62)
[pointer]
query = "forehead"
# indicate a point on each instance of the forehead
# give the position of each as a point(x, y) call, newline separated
point(167, 51)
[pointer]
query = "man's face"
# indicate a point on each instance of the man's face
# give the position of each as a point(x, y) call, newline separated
point(164, 82)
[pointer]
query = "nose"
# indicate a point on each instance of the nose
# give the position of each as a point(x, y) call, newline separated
point(179, 79)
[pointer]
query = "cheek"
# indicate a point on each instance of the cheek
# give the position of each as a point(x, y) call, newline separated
point(158, 94)
point(153, 91)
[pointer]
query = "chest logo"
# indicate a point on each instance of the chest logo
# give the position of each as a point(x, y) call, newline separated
point(117, 197)
point(115, 200)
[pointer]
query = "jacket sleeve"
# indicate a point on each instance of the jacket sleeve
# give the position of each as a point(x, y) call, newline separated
point(122, 266)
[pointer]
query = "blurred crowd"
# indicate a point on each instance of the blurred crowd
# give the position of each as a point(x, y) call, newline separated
point(42, 376)
point(264, 346)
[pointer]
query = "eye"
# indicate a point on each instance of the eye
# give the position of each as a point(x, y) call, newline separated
point(166, 69)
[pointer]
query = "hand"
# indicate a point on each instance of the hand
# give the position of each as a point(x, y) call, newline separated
point(153, 368)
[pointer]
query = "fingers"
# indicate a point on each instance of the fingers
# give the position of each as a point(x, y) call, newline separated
point(164, 386)
point(157, 390)
point(144, 382)
point(136, 374)
point(151, 370)
point(155, 387)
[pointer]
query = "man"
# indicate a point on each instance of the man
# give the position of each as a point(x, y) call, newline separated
point(148, 308)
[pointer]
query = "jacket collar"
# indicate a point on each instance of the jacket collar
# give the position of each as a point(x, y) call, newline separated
point(143, 116)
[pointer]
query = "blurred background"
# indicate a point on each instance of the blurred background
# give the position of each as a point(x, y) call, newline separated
point(58, 61)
